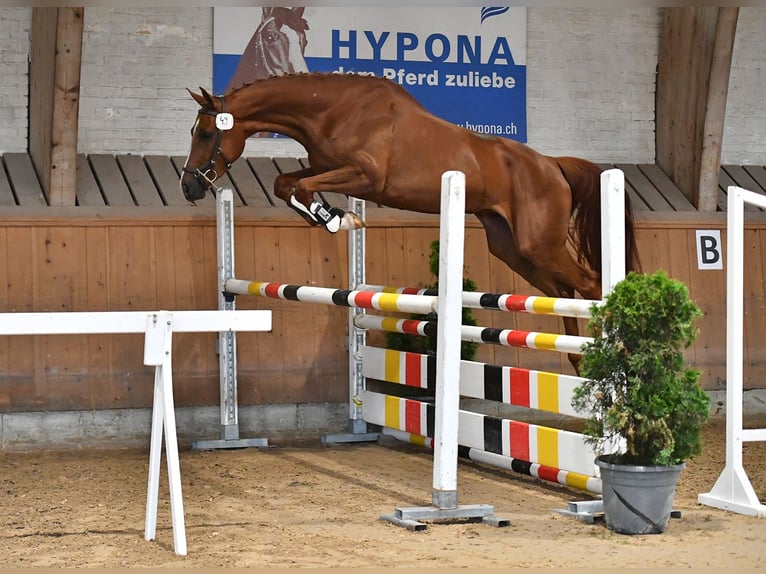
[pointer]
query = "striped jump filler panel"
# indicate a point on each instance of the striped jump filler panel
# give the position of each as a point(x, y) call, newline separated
point(550, 392)
point(411, 369)
point(547, 453)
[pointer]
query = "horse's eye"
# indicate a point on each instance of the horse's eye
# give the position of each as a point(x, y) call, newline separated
point(205, 135)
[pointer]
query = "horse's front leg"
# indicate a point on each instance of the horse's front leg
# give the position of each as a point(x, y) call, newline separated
point(297, 189)
point(284, 189)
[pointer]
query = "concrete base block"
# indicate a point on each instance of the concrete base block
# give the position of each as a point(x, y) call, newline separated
point(130, 428)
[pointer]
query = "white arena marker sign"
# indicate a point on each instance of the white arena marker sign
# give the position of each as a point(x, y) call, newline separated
point(224, 121)
point(709, 254)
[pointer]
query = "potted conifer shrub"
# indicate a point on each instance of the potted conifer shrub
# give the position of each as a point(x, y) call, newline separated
point(641, 395)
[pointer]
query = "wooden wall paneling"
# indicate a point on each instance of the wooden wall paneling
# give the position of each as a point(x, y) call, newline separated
point(476, 265)
point(389, 255)
point(328, 260)
point(265, 171)
point(644, 188)
point(294, 321)
point(382, 242)
point(721, 201)
point(87, 190)
point(737, 176)
point(19, 378)
point(19, 259)
point(110, 179)
point(132, 285)
point(652, 248)
point(755, 349)
point(475, 258)
point(171, 296)
point(6, 193)
point(205, 296)
point(636, 201)
point(758, 173)
point(724, 182)
point(417, 246)
point(742, 178)
point(62, 370)
point(5, 356)
point(378, 249)
point(99, 346)
point(26, 185)
point(266, 361)
point(258, 359)
point(299, 319)
point(667, 188)
point(708, 290)
point(247, 185)
point(139, 181)
point(166, 179)
point(754, 310)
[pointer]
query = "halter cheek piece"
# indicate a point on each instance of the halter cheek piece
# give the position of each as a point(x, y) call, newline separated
point(203, 173)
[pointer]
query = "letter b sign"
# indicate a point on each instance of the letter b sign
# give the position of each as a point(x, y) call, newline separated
point(709, 249)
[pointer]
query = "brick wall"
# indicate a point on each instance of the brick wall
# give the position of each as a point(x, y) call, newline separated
point(744, 140)
point(136, 66)
point(14, 71)
point(591, 82)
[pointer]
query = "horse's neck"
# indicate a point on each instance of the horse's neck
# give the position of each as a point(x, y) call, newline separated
point(277, 106)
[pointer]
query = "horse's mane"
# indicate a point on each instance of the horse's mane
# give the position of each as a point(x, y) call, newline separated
point(322, 76)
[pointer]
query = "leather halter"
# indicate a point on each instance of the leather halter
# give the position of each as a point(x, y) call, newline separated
point(201, 174)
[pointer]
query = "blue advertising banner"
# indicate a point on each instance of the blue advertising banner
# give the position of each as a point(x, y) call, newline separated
point(466, 65)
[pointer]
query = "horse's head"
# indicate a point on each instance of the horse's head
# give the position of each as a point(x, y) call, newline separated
point(216, 141)
point(280, 41)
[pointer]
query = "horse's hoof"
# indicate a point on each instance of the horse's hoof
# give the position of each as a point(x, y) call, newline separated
point(351, 221)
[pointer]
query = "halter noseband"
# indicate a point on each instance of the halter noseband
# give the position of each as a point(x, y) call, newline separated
point(201, 174)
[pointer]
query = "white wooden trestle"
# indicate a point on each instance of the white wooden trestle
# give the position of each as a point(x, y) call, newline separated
point(158, 328)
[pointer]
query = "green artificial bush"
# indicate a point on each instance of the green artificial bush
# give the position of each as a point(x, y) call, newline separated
point(638, 387)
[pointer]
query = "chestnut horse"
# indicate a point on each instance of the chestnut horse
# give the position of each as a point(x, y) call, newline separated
point(367, 137)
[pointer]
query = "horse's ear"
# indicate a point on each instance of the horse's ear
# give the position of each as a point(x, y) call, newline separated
point(298, 11)
point(208, 101)
point(197, 98)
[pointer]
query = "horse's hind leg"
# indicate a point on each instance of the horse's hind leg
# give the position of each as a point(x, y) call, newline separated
point(502, 244)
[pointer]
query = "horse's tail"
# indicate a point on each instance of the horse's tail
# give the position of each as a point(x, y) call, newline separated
point(584, 178)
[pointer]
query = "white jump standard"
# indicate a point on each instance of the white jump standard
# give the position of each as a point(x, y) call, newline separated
point(444, 496)
point(733, 491)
